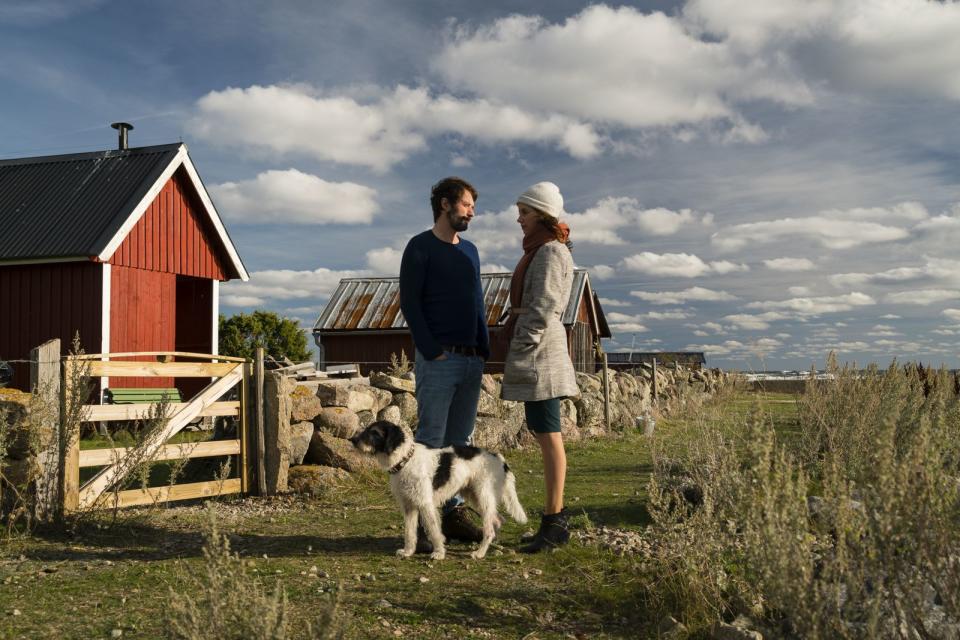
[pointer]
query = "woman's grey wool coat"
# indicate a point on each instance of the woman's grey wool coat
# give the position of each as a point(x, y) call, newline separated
point(538, 365)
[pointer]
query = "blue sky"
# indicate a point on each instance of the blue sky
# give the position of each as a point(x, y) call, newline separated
point(761, 181)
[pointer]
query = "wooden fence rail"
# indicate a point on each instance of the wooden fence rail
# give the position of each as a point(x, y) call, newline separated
point(118, 462)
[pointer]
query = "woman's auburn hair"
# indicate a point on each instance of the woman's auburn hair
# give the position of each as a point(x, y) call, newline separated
point(551, 223)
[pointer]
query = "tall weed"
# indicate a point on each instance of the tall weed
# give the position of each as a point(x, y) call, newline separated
point(223, 600)
point(849, 531)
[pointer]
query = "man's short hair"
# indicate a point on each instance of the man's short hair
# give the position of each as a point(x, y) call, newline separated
point(452, 189)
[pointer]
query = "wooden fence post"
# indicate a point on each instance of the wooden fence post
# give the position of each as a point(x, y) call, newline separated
point(606, 391)
point(653, 381)
point(45, 383)
point(261, 450)
point(69, 440)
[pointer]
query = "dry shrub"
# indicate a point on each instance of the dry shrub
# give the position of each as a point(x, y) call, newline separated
point(223, 600)
point(849, 531)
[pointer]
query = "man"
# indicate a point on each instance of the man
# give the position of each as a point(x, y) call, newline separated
point(442, 301)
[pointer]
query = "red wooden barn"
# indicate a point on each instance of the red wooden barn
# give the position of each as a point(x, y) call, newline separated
point(123, 246)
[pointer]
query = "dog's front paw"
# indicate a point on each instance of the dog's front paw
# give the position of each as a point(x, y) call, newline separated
point(403, 553)
point(478, 554)
point(439, 554)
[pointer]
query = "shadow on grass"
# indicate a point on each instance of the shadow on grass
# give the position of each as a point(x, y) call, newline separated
point(144, 542)
point(632, 513)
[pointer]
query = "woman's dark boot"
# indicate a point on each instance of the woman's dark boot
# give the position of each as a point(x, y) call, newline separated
point(553, 532)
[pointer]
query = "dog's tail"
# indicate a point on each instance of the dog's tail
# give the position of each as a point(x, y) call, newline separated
point(509, 498)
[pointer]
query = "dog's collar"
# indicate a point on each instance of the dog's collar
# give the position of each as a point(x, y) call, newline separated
point(397, 467)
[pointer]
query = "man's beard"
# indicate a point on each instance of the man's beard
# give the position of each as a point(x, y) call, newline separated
point(457, 223)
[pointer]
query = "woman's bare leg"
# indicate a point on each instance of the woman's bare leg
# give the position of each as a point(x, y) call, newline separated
point(554, 470)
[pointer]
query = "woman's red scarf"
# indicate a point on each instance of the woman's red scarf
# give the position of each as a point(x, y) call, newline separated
point(540, 236)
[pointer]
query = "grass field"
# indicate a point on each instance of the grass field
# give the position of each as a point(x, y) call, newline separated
point(113, 576)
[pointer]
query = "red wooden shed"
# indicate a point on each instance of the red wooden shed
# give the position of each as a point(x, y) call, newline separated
point(362, 322)
point(123, 246)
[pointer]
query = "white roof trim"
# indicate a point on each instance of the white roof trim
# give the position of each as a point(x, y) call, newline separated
point(181, 159)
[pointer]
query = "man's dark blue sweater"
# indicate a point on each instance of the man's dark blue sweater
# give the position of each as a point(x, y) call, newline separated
point(441, 296)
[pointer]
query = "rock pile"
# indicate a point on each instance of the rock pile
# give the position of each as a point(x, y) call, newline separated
point(308, 422)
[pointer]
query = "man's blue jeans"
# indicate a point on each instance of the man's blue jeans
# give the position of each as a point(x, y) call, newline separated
point(447, 395)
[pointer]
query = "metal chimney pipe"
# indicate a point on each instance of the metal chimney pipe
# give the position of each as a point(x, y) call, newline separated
point(122, 129)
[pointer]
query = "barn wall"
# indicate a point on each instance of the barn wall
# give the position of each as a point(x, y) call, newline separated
point(581, 348)
point(371, 351)
point(45, 301)
point(142, 317)
point(173, 236)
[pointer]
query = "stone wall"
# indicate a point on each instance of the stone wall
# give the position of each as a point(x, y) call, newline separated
point(323, 414)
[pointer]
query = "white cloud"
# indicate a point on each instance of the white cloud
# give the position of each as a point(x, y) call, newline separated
point(758, 322)
point(601, 271)
point(615, 316)
point(599, 223)
point(942, 270)
point(832, 233)
point(494, 268)
point(681, 265)
point(716, 327)
point(620, 66)
point(675, 314)
point(761, 347)
point(922, 296)
point(953, 314)
point(284, 284)
point(799, 291)
point(231, 300)
point(496, 232)
point(663, 222)
point(627, 327)
point(384, 261)
point(891, 316)
point(295, 197)
point(789, 264)
point(376, 128)
point(610, 302)
point(817, 305)
point(892, 45)
point(687, 295)
point(725, 266)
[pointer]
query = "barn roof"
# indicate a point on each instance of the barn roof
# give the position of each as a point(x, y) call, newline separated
point(81, 206)
point(374, 304)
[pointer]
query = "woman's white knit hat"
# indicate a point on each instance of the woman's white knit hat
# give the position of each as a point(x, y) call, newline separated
point(545, 197)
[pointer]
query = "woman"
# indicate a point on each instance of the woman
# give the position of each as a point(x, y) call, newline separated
point(538, 369)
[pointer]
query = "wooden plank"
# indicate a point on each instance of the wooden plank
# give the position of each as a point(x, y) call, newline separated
point(45, 382)
point(179, 354)
point(70, 461)
point(204, 449)
point(107, 477)
point(190, 491)
point(245, 459)
point(258, 417)
point(164, 369)
point(97, 412)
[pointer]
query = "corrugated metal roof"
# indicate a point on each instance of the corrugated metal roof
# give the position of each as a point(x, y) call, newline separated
point(65, 206)
point(374, 303)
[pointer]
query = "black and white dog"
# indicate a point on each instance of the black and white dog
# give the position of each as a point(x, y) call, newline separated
point(422, 479)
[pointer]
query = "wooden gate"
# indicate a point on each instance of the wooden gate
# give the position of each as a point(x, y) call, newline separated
point(117, 463)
